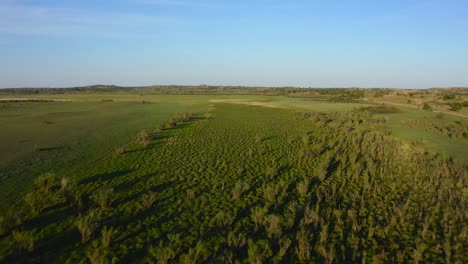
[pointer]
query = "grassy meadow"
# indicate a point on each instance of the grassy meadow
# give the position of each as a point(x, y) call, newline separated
point(148, 177)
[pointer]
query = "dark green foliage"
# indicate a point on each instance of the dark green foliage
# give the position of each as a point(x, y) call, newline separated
point(40, 200)
point(426, 106)
point(46, 181)
point(455, 107)
point(448, 96)
point(87, 224)
point(103, 197)
point(24, 241)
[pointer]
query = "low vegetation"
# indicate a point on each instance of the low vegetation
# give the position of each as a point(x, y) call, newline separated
point(249, 184)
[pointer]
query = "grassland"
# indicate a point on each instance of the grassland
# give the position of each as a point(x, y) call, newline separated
point(243, 178)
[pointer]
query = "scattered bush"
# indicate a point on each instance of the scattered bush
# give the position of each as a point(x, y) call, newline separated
point(24, 240)
point(148, 199)
point(455, 107)
point(40, 200)
point(100, 255)
point(120, 150)
point(107, 234)
point(104, 198)
point(427, 107)
point(162, 254)
point(46, 181)
point(86, 225)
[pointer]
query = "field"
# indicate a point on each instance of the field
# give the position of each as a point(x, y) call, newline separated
point(231, 176)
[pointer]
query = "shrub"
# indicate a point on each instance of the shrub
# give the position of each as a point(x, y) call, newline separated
point(120, 150)
point(257, 215)
point(99, 255)
point(148, 199)
point(24, 240)
point(455, 107)
point(272, 225)
point(144, 138)
point(194, 255)
point(38, 201)
point(161, 253)
point(236, 240)
point(303, 189)
point(190, 193)
point(223, 219)
point(106, 236)
point(36, 148)
point(259, 138)
point(259, 251)
point(46, 181)
point(271, 171)
point(103, 198)
point(448, 96)
point(86, 225)
point(6, 223)
point(427, 107)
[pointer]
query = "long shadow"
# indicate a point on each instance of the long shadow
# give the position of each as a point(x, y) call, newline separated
point(56, 214)
point(105, 176)
point(157, 189)
point(129, 184)
point(51, 148)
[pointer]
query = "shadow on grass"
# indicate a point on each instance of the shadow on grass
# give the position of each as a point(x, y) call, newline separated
point(51, 148)
point(105, 176)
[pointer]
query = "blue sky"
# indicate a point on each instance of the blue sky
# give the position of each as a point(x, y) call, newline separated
point(335, 43)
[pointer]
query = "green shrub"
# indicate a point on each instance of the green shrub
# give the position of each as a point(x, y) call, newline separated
point(107, 234)
point(427, 107)
point(259, 251)
point(162, 254)
point(40, 200)
point(120, 150)
point(24, 241)
point(86, 226)
point(455, 107)
point(97, 254)
point(148, 199)
point(46, 181)
point(104, 198)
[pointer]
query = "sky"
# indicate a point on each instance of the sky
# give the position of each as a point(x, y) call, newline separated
point(333, 43)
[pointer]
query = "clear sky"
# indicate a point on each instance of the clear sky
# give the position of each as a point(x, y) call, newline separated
point(328, 43)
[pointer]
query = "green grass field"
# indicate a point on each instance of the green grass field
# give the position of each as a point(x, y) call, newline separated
point(253, 179)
